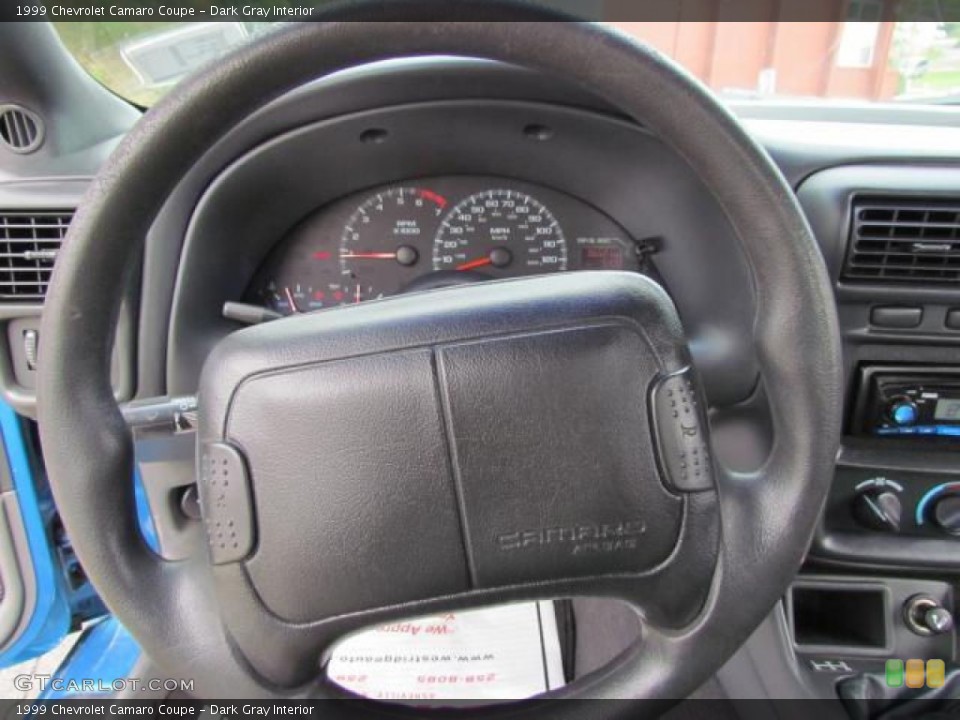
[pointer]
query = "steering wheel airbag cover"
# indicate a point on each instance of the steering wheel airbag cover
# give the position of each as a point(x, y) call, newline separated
point(475, 438)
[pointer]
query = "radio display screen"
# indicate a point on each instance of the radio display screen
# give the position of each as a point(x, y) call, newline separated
point(947, 410)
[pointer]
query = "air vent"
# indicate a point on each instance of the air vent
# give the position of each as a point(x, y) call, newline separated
point(911, 240)
point(29, 242)
point(20, 129)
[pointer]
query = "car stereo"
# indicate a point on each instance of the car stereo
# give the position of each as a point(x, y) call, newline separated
point(909, 402)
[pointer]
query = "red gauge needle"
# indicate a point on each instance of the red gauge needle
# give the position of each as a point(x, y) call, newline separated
point(293, 303)
point(473, 264)
point(405, 255)
point(369, 256)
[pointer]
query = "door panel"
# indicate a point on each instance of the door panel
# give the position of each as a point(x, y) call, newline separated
point(34, 606)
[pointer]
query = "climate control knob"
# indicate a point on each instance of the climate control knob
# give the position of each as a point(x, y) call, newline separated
point(878, 510)
point(946, 513)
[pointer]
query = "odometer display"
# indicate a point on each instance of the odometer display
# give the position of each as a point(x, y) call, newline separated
point(500, 233)
point(601, 257)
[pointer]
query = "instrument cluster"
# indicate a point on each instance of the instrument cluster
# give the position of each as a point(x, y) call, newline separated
point(432, 233)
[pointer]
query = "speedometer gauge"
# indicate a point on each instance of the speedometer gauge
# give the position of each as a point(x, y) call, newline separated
point(500, 233)
point(382, 240)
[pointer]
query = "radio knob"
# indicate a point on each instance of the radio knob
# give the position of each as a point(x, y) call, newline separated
point(878, 510)
point(946, 513)
point(903, 411)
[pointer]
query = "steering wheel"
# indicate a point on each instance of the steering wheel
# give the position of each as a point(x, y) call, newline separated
point(536, 438)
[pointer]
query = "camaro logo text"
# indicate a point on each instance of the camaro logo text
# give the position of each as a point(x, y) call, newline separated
point(579, 539)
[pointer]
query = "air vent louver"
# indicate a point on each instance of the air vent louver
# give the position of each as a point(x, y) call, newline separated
point(20, 129)
point(904, 240)
point(29, 242)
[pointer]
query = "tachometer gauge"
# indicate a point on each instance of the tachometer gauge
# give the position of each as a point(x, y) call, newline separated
point(501, 233)
point(382, 241)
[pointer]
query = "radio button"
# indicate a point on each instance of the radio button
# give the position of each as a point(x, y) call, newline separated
point(953, 320)
point(903, 411)
point(899, 318)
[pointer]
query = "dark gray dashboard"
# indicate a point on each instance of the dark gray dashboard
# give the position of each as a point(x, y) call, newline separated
point(443, 117)
point(615, 168)
point(453, 117)
point(402, 122)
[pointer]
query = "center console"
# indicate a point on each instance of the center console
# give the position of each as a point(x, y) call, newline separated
point(916, 410)
point(880, 584)
point(895, 499)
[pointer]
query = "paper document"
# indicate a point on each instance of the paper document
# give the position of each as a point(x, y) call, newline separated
point(508, 652)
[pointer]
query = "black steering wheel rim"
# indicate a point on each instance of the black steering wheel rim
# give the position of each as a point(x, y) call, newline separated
point(767, 517)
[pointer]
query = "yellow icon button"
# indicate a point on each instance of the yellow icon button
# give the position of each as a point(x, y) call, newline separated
point(915, 673)
point(936, 671)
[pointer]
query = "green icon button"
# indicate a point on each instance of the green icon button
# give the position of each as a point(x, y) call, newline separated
point(894, 673)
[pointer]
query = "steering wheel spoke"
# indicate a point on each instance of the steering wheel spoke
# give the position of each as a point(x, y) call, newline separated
point(166, 464)
point(164, 435)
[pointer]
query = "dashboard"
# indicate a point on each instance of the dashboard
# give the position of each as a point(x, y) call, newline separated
point(477, 172)
point(434, 232)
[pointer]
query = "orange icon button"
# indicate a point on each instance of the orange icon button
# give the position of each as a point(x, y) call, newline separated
point(915, 673)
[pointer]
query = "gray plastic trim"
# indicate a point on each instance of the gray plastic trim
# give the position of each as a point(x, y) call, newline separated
point(595, 158)
point(833, 585)
point(826, 199)
point(16, 563)
point(382, 85)
point(11, 605)
point(16, 382)
point(765, 668)
point(83, 120)
point(167, 466)
point(902, 643)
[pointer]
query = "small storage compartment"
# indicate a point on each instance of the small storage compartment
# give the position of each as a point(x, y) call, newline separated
point(839, 616)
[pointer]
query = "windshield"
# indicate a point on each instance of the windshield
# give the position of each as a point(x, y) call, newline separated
point(141, 61)
point(862, 58)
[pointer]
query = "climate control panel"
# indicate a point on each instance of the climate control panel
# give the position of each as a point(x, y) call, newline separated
point(905, 503)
